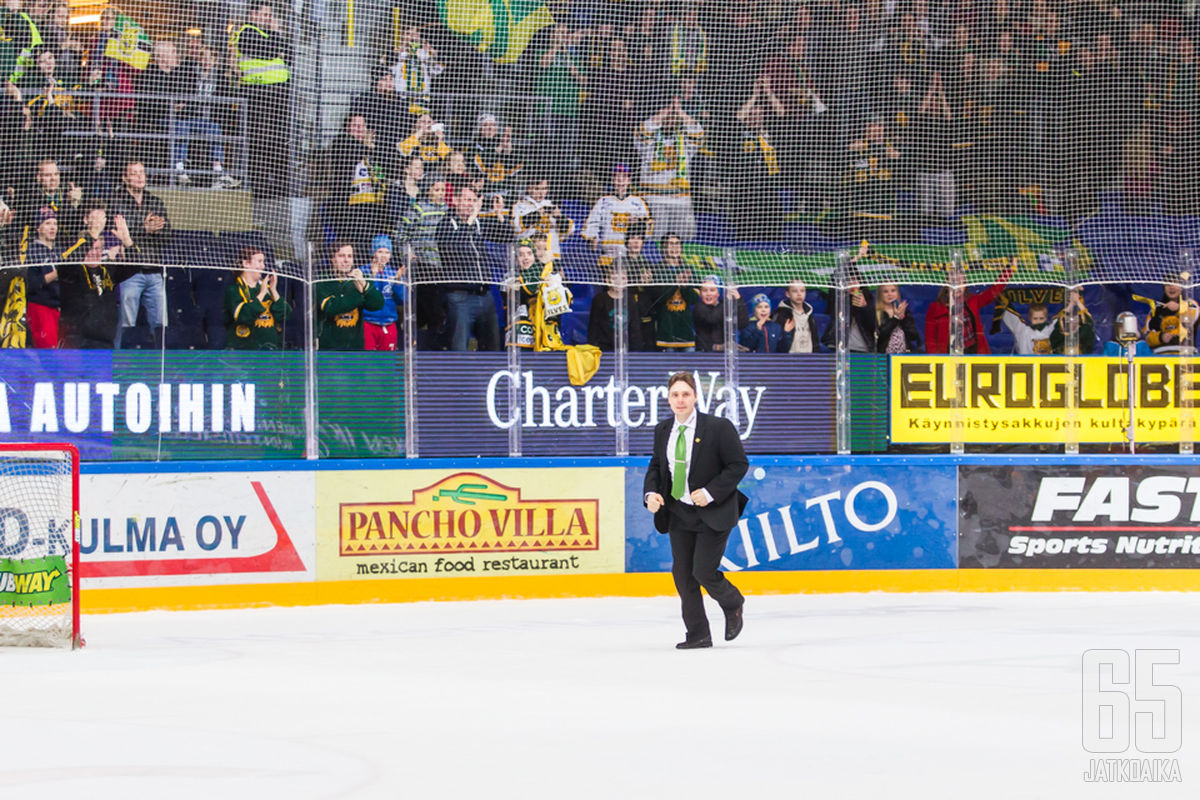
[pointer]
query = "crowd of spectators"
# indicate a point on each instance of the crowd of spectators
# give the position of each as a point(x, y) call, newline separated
point(91, 118)
point(869, 115)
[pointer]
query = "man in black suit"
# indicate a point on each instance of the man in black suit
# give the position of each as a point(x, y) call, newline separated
point(691, 488)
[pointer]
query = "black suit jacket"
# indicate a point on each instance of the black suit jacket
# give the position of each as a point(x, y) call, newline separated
point(718, 463)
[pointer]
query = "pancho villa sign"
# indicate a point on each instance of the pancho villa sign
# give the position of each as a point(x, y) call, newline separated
point(430, 523)
point(468, 512)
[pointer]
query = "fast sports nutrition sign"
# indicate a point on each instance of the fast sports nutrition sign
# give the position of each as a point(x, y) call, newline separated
point(1143, 517)
point(1036, 399)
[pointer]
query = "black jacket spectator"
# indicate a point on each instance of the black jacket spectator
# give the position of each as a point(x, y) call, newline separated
point(147, 247)
point(463, 250)
point(862, 324)
point(889, 324)
point(601, 329)
point(709, 322)
point(90, 300)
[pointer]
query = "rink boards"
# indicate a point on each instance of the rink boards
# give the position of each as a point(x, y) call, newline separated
point(236, 534)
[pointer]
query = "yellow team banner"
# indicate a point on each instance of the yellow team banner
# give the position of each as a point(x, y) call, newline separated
point(1040, 399)
point(455, 523)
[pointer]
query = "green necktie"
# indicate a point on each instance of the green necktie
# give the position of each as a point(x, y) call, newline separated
point(679, 480)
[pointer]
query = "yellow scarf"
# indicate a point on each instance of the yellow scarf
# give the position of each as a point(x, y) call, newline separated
point(13, 326)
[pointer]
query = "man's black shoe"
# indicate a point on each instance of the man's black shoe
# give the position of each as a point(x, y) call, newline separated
point(695, 644)
point(733, 622)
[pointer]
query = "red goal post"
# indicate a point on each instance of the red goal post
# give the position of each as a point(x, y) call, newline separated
point(39, 545)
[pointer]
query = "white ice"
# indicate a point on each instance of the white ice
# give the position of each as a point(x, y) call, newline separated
point(838, 696)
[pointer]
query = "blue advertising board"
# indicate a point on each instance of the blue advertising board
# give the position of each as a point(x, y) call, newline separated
point(177, 405)
point(821, 517)
point(468, 403)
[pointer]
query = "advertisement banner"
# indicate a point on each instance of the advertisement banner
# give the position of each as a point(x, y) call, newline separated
point(455, 523)
point(34, 581)
point(176, 529)
point(821, 518)
point(1019, 399)
point(1049, 517)
point(468, 403)
point(130, 405)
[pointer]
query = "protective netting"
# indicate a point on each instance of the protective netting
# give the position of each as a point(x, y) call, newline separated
point(1048, 143)
point(37, 542)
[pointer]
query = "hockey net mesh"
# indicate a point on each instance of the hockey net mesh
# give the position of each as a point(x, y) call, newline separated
point(770, 137)
point(37, 542)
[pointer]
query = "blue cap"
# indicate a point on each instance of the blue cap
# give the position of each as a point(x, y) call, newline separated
point(760, 298)
point(382, 240)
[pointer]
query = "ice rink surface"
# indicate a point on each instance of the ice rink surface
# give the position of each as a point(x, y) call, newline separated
point(836, 696)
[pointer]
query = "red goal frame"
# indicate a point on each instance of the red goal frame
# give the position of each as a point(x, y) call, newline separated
point(73, 452)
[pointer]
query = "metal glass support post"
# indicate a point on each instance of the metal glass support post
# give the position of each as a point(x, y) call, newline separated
point(731, 337)
point(1187, 357)
point(620, 279)
point(310, 361)
point(1070, 323)
point(409, 329)
point(957, 299)
point(842, 351)
point(514, 356)
point(1131, 363)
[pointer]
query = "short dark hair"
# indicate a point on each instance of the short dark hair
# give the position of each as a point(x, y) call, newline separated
point(93, 204)
point(682, 376)
point(338, 245)
point(249, 252)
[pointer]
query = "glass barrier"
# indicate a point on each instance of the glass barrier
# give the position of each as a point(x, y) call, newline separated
point(389, 236)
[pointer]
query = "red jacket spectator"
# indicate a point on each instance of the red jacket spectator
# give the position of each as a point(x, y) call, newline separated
point(937, 319)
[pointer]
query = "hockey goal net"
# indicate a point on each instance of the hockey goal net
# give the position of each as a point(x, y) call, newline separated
point(39, 553)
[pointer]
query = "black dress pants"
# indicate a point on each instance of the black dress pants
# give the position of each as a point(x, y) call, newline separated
point(696, 551)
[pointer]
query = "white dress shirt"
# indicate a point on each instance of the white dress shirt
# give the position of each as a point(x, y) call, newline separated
point(672, 438)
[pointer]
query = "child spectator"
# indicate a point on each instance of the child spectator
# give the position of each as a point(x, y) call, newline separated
point(796, 318)
point(1032, 339)
point(200, 117)
point(762, 335)
point(41, 281)
point(381, 328)
point(1086, 327)
point(895, 329)
point(544, 296)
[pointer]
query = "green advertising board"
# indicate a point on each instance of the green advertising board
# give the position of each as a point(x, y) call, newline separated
point(34, 581)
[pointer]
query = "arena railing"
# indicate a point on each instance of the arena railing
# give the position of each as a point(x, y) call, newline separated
point(232, 108)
